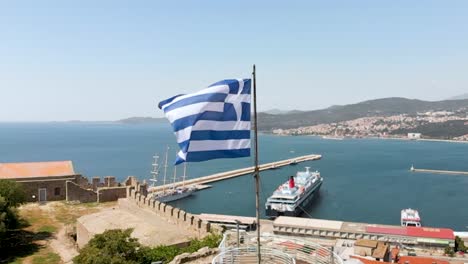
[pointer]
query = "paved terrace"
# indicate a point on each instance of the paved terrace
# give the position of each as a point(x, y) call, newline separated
point(236, 173)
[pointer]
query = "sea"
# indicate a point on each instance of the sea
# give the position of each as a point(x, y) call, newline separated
point(365, 180)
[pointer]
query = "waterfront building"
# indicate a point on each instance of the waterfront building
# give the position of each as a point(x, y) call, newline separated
point(330, 229)
point(414, 135)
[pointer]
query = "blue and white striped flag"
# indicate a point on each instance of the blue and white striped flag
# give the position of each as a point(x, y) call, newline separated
point(212, 123)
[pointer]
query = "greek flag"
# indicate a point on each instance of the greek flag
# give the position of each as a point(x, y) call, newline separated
point(212, 123)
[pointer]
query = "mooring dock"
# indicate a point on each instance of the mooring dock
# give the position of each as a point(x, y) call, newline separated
point(202, 181)
point(440, 171)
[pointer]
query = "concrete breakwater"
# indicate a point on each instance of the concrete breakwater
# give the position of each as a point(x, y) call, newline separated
point(440, 171)
point(239, 172)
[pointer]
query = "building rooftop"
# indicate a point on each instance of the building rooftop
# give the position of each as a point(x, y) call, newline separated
point(369, 261)
point(394, 253)
point(366, 243)
point(431, 234)
point(36, 169)
point(308, 222)
point(380, 251)
point(227, 218)
point(420, 260)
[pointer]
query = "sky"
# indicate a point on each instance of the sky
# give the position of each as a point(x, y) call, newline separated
point(107, 60)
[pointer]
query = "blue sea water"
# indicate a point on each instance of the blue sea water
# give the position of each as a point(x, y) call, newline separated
point(365, 180)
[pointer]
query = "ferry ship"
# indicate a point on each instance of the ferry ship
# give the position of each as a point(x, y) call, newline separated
point(293, 196)
point(410, 217)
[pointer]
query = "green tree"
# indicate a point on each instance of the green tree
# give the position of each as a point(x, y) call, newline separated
point(11, 196)
point(449, 251)
point(12, 192)
point(460, 244)
point(113, 246)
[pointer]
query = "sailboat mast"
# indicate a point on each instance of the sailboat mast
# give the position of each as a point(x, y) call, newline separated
point(175, 175)
point(155, 171)
point(185, 170)
point(165, 169)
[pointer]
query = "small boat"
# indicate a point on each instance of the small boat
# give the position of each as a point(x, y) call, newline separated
point(293, 162)
point(410, 217)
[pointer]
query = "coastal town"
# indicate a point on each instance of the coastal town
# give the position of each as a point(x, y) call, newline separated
point(394, 126)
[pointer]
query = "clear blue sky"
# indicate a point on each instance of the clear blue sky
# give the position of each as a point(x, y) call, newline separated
point(106, 60)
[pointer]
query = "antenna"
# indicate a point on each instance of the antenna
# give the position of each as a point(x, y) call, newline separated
point(155, 171)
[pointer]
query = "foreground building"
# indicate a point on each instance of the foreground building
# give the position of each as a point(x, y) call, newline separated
point(42, 181)
point(57, 180)
point(329, 229)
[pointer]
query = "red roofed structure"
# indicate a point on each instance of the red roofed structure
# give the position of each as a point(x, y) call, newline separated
point(42, 181)
point(36, 169)
point(430, 232)
point(387, 230)
point(420, 260)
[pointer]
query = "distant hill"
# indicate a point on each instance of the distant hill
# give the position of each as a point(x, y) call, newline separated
point(141, 120)
point(383, 107)
point(459, 97)
point(281, 112)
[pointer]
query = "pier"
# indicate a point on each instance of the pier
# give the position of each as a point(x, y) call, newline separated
point(202, 181)
point(440, 171)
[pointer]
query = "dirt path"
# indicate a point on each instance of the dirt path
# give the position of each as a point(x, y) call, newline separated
point(63, 246)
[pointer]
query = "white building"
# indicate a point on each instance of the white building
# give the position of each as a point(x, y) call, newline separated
point(414, 135)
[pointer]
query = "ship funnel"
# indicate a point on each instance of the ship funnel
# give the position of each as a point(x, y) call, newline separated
point(307, 169)
point(291, 182)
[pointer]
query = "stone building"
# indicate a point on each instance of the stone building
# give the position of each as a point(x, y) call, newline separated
point(42, 181)
point(57, 180)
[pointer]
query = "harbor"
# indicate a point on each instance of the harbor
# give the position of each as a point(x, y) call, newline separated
point(201, 182)
point(439, 171)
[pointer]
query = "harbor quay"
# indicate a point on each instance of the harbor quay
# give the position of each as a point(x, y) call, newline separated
point(449, 172)
point(200, 182)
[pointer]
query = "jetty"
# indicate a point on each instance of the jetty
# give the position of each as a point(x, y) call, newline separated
point(439, 171)
point(202, 181)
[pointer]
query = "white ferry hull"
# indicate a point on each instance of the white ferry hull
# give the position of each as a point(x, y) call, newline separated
point(298, 210)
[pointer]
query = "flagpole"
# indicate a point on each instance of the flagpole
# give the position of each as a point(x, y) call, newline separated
point(256, 169)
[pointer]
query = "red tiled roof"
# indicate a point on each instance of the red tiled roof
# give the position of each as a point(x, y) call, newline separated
point(36, 169)
point(423, 232)
point(369, 261)
point(420, 260)
point(386, 230)
point(430, 232)
point(394, 253)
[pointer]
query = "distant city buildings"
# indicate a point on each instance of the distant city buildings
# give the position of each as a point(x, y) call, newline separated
point(381, 126)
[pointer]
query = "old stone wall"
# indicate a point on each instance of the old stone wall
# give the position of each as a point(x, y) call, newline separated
point(54, 187)
point(108, 194)
point(77, 193)
point(83, 234)
point(135, 202)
